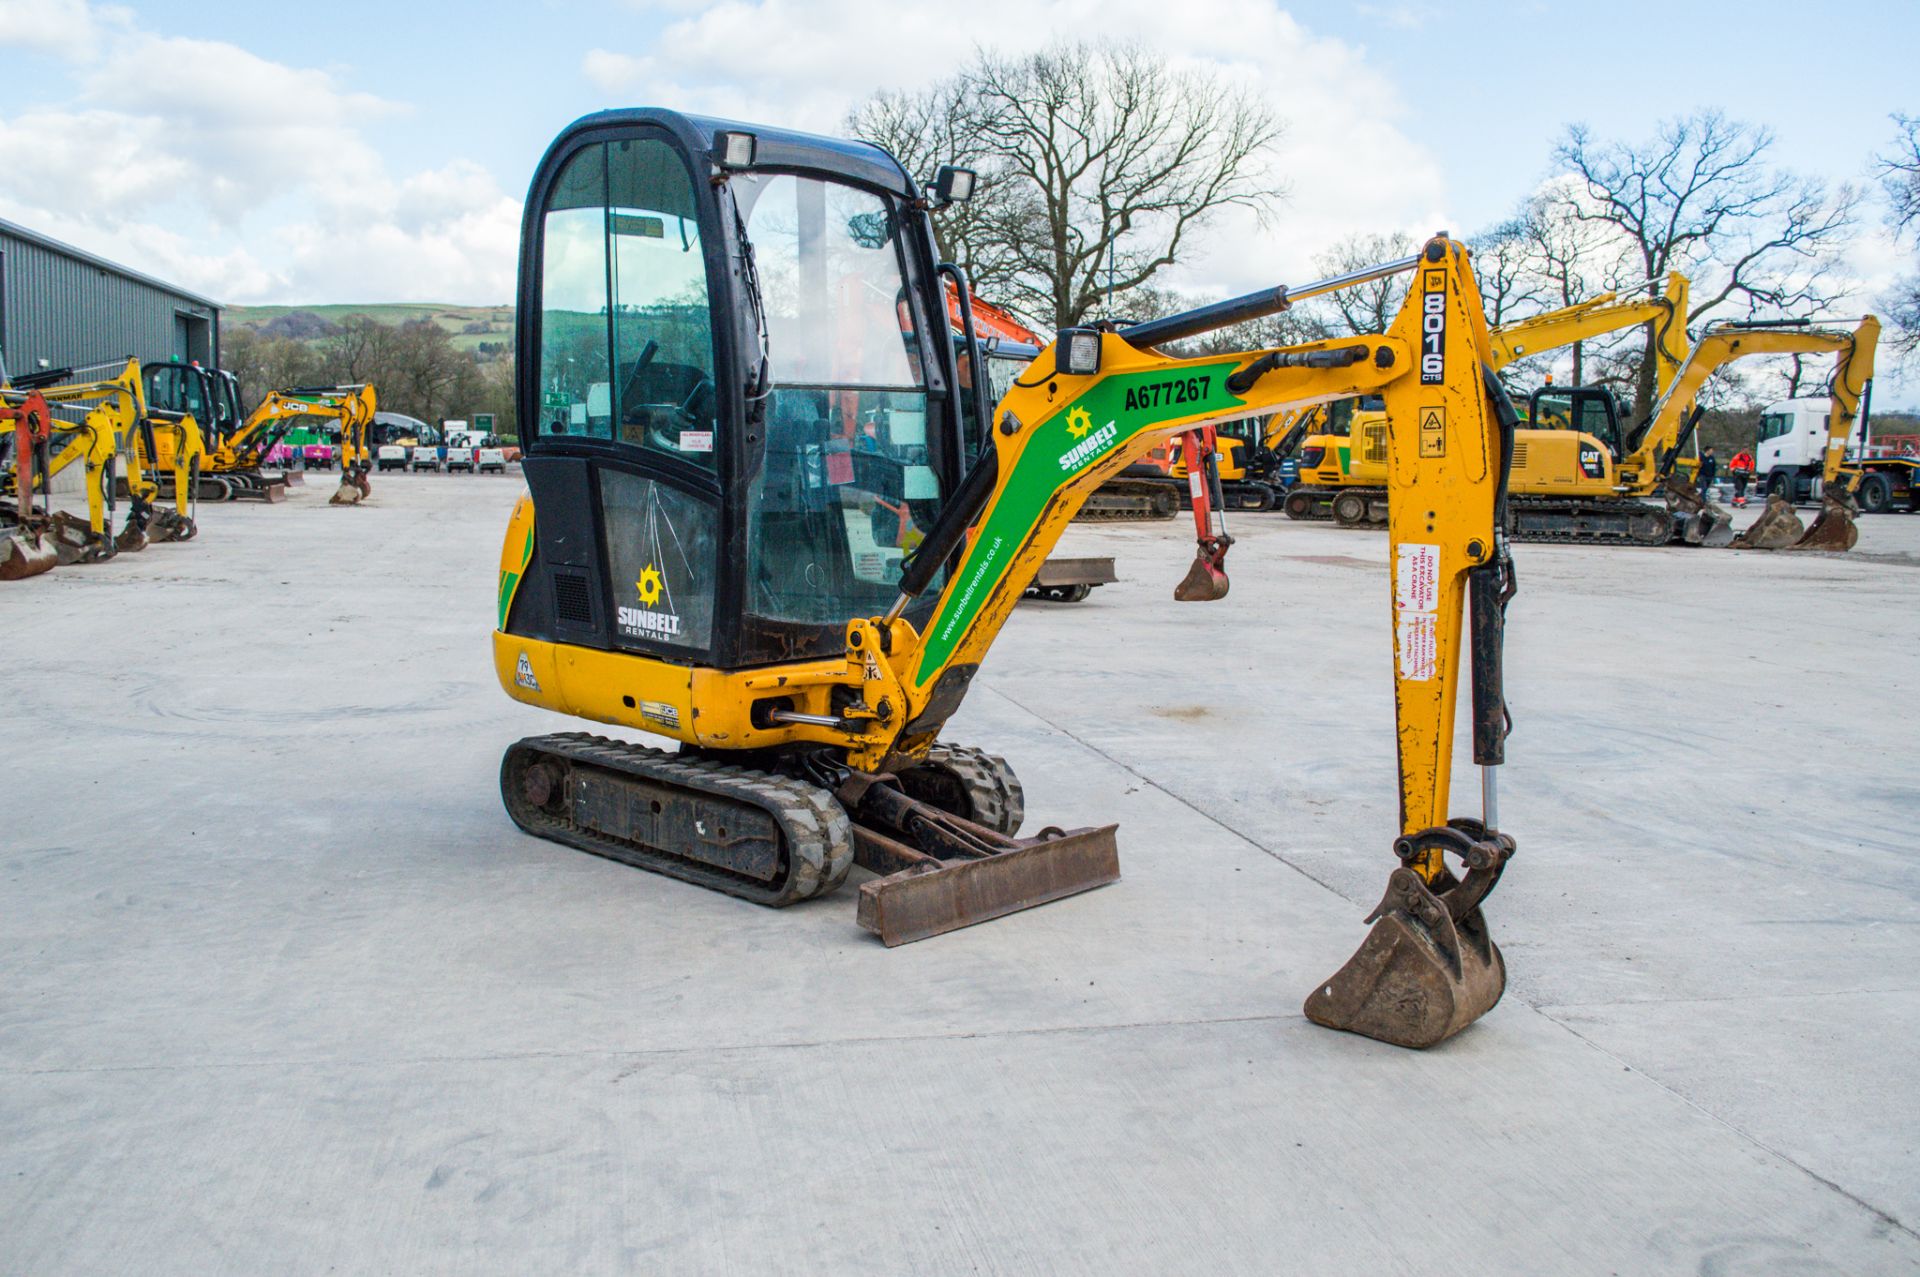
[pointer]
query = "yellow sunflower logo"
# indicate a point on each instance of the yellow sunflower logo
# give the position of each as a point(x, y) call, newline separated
point(649, 585)
point(1079, 421)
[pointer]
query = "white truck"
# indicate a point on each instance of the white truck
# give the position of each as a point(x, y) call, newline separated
point(1791, 452)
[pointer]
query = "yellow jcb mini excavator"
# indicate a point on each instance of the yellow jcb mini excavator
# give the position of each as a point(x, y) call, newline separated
point(704, 557)
point(93, 422)
point(1343, 468)
point(237, 448)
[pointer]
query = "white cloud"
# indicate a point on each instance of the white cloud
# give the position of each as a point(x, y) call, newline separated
point(803, 63)
point(68, 29)
point(240, 177)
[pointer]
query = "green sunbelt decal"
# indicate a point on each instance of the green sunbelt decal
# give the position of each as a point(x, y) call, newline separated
point(1080, 435)
point(510, 579)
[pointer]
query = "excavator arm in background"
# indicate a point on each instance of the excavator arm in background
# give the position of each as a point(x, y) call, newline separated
point(1598, 316)
point(1665, 313)
point(1778, 527)
point(25, 432)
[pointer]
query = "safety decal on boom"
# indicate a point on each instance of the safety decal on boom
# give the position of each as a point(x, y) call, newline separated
point(1433, 432)
point(1416, 607)
point(1433, 327)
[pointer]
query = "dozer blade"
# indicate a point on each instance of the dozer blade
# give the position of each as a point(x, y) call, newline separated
point(1203, 583)
point(1833, 529)
point(940, 872)
point(930, 897)
point(1429, 967)
point(1777, 528)
point(22, 555)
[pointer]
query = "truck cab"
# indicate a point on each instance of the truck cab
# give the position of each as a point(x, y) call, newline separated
point(1790, 453)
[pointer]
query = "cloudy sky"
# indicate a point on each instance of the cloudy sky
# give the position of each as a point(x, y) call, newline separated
point(355, 151)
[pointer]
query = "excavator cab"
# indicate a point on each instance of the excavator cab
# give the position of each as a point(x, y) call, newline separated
point(1589, 410)
point(734, 423)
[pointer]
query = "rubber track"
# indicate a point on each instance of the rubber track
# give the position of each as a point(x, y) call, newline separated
point(1319, 513)
point(1129, 490)
point(1563, 505)
point(999, 801)
point(817, 834)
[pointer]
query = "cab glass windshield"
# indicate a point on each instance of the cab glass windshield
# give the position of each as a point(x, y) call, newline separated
point(848, 482)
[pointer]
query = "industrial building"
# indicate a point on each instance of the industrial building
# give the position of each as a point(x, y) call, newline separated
point(61, 307)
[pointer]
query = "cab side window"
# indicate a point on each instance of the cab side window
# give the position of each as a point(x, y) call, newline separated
point(626, 338)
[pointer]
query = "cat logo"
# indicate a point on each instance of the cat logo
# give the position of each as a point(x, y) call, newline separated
point(649, 585)
point(523, 674)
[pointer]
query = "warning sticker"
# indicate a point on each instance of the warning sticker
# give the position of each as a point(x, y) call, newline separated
point(1416, 602)
point(1433, 432)
point(1414, 636)
point(696, 441)
point(1417, 579)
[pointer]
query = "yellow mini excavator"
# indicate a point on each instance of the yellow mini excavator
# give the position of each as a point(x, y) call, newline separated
point(94, 423)
point(237, 448)
point(707, 555)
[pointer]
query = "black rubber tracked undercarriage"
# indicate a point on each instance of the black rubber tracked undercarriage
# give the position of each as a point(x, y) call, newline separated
point(940, 833)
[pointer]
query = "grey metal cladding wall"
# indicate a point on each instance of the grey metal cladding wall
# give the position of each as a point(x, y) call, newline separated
point(75, 313)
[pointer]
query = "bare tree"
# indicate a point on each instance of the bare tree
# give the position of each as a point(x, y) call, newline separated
point(1368, 307)
point(1107, 161)
point(1900, 178)
point(942, 126)
point(1503, 267)
point(1701, 197)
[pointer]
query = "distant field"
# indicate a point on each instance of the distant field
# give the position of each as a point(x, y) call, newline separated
point(487, 323)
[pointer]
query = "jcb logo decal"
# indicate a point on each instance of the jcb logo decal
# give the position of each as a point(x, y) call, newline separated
point(1433, 328)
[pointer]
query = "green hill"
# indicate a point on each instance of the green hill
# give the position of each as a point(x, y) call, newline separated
point(467, 325)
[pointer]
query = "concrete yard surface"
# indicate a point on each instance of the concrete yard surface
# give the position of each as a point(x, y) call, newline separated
point(285, 991)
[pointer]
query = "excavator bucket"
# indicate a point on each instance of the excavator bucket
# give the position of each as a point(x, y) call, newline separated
point(24, 554)
point(1777, 528)
point(1204, 582)
point(348, 493)
point(1429, 967)
point(1833, 529)
point(1696, 520)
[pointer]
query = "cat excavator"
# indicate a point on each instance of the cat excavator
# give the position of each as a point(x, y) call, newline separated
point(701, 557)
